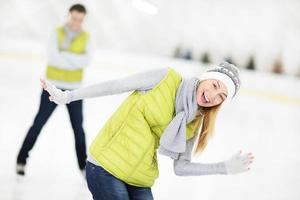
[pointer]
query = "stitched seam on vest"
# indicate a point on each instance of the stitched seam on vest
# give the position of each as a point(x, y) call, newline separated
point(133, 128)
point(135, 118)
point(150, 167)
point(153, 159)
point(116, 133)
point(172, 76)
point(136, 180)
point(155, 121)
point(157, 103)
point(169, 74)
point(139, 161)
point(145, 174)
point(153, 118)
point(161, 81)
point(115, 165)
point(151, 127)
point(163, 96)
point(116, 153)
point(177, 86)
point(151, 114)
point(167, 84)
point(143, 185)
point(120, 157)
point(147, 150)
point(134, 140)
point(132, 152)
point(122, 124)
point(173, 114)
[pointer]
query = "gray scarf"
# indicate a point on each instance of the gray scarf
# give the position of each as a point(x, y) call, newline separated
point(69, 37)
point(173, 140)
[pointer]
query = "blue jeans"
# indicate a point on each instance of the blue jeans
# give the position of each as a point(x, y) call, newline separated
point(105, 186)
point(45, 110)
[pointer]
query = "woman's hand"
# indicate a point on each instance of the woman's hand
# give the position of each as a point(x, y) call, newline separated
point(56, 95)
point(239, 163)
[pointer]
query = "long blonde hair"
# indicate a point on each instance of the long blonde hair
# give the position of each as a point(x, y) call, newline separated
point(206, 121)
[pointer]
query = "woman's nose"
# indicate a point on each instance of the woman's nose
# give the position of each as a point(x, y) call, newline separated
point(213, 96)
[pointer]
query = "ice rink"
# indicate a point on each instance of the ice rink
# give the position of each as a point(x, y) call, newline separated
point(264, 120)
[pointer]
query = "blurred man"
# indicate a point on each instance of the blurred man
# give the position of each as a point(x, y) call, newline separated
point(68, 54)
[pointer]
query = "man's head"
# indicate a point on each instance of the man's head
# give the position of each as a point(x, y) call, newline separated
point(77, 13)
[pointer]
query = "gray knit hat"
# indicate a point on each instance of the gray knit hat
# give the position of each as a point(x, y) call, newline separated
point(227, 73)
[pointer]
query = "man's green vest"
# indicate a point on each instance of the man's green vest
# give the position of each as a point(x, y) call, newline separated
point(77, 46)
point(126, 145)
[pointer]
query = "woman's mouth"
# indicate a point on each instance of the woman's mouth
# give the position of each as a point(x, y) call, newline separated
point(204, 98)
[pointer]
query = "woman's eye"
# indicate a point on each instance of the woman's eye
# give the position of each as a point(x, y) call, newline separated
point(221, 97)
point(215, 86)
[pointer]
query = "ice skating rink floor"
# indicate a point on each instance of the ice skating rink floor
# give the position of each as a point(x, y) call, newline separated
point(264, 120)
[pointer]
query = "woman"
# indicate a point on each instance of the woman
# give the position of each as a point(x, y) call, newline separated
point(164, 111)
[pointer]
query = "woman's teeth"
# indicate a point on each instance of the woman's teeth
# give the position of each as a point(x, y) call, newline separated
point(206, 99)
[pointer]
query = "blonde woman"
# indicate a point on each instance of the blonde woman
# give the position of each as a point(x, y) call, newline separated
point(163, 112)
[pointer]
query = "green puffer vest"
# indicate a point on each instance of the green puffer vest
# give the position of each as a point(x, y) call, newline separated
point(126, 145)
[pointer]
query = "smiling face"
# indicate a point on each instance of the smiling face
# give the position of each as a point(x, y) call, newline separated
point(75, 20)
point(211, 92)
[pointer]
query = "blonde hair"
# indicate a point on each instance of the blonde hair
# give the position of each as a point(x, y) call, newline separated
point(206, 121)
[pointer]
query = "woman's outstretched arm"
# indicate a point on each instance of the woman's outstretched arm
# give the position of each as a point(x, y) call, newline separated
point(139, 81)
point(184, 167)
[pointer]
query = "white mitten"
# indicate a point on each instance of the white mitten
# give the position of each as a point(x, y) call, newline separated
point(56, 95)
point(238, 163)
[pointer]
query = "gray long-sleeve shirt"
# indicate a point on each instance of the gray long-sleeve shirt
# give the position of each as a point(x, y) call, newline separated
point(143, 82)
point(184, 167)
